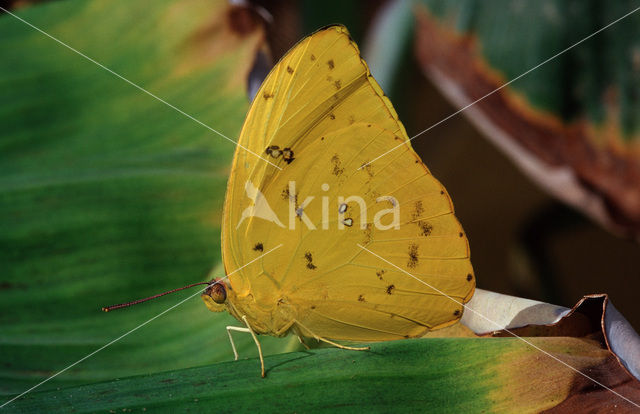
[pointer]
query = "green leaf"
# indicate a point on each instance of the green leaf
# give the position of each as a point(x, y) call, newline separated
point(107, 194)
point(415, 375)
point(555, 84)
point(422, 375)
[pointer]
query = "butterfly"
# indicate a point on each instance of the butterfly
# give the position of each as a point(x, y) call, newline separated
point(318, 239)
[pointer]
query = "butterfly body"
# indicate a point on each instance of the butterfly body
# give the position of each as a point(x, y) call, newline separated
point(326, 210)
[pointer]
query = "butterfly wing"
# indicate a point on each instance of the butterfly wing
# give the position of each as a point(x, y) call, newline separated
point(321, 104)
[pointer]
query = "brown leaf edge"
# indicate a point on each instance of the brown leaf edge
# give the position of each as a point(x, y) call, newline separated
point(593, 317)
point(601, 180)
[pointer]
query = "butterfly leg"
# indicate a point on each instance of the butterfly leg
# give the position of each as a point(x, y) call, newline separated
point(337, 345)
point(255, 339)
point(233, 345)
point(303, 342)
point(246, 330)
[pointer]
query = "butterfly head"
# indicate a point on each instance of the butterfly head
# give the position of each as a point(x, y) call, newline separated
point(215, 295)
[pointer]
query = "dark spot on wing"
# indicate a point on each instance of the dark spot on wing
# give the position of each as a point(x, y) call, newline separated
point(352, 119)
point(309, 259)
point(417, 161)
point(299, 210)
point(313, 57)
point(367, 234)
point(390, 289)
point(418, 209)
point(331, 64)
point(289, 69)
point(337, 84)
point(258, 247)
point(379, 274)
point(407, 337)
point(368, 125)
point(313, 306)
point(442, 192)
point(413, 256)
point(461, 234)
point(267, 95)
point(321, 138)
point(332, 116)
point(425, 228)
point(287, 155)
point(456, 312)
point(368, 168)
point(337, 165)
point(361, 298)
point(469, 277)
point(286, 195)
point(274, 151)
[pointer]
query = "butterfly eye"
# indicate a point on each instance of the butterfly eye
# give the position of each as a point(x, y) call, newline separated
point(218, 293)
point(274, 151)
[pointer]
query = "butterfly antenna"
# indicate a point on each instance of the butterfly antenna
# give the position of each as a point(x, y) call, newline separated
point(135, 302)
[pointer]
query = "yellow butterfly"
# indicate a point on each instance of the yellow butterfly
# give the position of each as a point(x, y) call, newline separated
point(329, 218)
